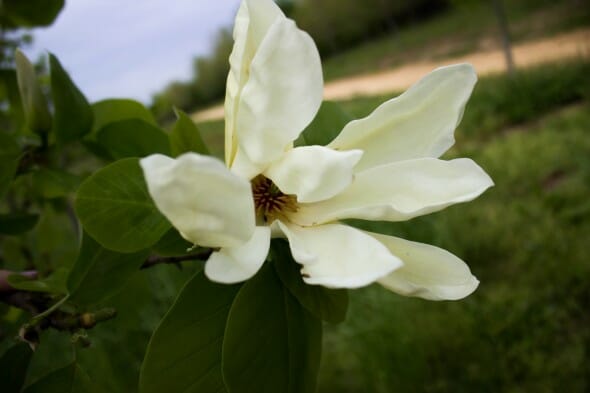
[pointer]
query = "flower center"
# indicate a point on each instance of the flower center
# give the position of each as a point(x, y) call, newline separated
point(270, 202)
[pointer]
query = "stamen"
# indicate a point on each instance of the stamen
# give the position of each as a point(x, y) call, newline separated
point(269, 200)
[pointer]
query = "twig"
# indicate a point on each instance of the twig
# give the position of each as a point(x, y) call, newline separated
point(31, 301)
point(39, 317)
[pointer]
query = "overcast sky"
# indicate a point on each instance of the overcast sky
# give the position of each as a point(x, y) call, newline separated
point(131, 49)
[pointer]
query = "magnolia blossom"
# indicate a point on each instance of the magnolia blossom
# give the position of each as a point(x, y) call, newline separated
point(382, 167)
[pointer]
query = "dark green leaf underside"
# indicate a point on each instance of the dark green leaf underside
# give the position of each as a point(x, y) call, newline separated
point(272, 344)
point(184, 354)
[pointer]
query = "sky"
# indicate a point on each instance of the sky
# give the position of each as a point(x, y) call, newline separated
point(131, 49)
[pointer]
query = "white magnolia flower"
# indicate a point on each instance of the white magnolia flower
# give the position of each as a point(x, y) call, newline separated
point(382, 167)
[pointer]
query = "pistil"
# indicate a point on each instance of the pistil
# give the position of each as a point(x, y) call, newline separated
point(270, 202)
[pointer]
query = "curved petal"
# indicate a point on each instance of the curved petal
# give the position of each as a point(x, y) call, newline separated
point(282, 95)
point(419, 123)
point(313, 173)
point(400, 191)
point(236, 264)
point(339, 256)
point(244, 167)
point(428, 272)
point(253, 20)
point(208, 204)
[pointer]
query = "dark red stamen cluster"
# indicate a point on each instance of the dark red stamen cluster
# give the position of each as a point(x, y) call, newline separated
point(270, 202)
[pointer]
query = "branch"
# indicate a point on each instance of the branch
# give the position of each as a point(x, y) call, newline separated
point(159, 260)
point(47, 316)
point(35, 303)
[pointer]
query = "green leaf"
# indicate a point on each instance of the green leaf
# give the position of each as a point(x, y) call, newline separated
point(73, 115)
point(133, 138)
point(55, 238)
point(17, 223)
point(172, 244)
point(15, 117)
point(13, 367)
point(52, 183)
point(34, 103)
point(186, 137)
point(100, 273)
point(116, 210)
point(97, 149)
point(324, 303)
point(110, 111)
point(69, 379)
point(184, 354)
point(30, 13)
point(54, 283)
point(9, 157)
point(326, 126)
point(272, 344)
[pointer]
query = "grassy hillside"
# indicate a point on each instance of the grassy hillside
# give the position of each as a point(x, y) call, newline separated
point(470, 26)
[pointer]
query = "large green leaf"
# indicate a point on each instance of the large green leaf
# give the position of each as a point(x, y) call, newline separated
point(272, 344)
point(185, 136)
point(112, 110)
point(9, 156)
point(29, 13)
point(324, 303)
point(115, 208)
point(73, 115)
point(326, 126)
point(69, 379)
point(100, 273)
point(184, 354)
point(133, 138)
point(34, 103)
point(17, 223)
point(13, 367)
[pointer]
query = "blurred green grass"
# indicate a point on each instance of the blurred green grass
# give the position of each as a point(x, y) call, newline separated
point(526, 328)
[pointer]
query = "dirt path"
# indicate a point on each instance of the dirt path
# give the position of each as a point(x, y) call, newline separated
point(559, 47)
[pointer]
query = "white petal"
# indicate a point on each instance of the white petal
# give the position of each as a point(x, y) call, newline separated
point(419, 123)
point(313, 173)
point(339, 256)
point(282, 95)
point(236, 264)
point(428, 272)
point(400, 191)
point(253, 20)
point(208, 204)
point(244, 167)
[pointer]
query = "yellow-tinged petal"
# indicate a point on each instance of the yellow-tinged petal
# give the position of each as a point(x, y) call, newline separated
point(419, 123)
point(428, 272)
point(236, 264)
point(209, 205)
point(313, 173)
point(252, 22)
point(282, 94)
point(339, 256)
point(400, 191)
